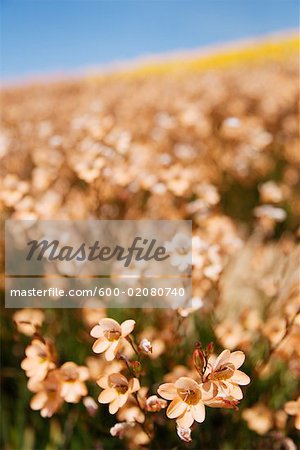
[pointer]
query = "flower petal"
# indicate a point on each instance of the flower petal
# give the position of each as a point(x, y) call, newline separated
point(123, 399)
point(237, 359)
point(167, 391)
point(103, 382)
point(100, 345)
point(112, 351)
point(108, 395)
point(198, 412)
point(97, 331)
point(186, 420)
point(114, 405)
point(235, 391)
point(38, 401)
point(240, 378)
point(127, 327)
point(221, 359)
point(134, 384)
point(108, 324)
point(176, 408)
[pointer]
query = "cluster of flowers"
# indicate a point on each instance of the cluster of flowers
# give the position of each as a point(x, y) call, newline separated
point(217, 384)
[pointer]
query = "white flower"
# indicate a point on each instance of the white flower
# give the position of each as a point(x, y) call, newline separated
point(145, 346)
point(180, 250)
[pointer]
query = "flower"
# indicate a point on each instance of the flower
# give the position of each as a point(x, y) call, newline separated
point(28, 320)
point(109, 334)
point(39, 360)
point(145, 346)
point(155, 404)
point(223, 375)
point(73, 377)
point(259, 418)
point(184, 434)
point(48, 399)
point(119, 429)
point(293, 409)
point(99, 368)
point(180, 249)
point(116, 390)
point(187, 404)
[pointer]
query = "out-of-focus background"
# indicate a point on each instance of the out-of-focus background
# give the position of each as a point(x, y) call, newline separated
point(157, 110)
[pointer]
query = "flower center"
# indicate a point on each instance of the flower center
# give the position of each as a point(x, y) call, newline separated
point(189, 396)
point(120, 388)
point(223, 373)
point(112, 335)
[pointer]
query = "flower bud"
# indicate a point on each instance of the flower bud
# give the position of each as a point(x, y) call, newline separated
point(91, 406)
point(184, 434)
point(198, 359)
point(145, 346)
point(136, 367)
point(210, 348)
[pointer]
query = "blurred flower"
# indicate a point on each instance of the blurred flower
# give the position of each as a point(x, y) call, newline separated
point(155, 404)
point(270, 192)
point(48, 399)
point(180, 251)
point(28, 320)
point(91, 406)
point(73, 377)
point(39, 360)
point(259, 418)
point(109, 333)
point(98, 367)
point(293, 409)
point(119, 429)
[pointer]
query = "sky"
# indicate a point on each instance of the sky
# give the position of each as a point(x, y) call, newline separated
point(53, 36)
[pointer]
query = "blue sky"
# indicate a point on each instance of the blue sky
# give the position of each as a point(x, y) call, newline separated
point(45, 36)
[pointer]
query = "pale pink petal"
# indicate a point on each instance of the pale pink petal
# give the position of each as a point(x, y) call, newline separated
point(108, 324)
point(186, 420)
point(97, 331)
point(103, 382)
point(117, 378)
point(38, 401)
point(167, 391)
point(114, 406)
point(111, 352)
point(208, 390)
point(235, 391)
point(123, 399)
point(221, 359)
point(198, 412)
point(108, 395)
point(176, 408)
point(134, 385)
point(240, 378)
point(100, 345)
point(187, 383)
point(127, 327)
point(237, 359)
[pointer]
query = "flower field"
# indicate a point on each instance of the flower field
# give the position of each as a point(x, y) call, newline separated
point(215, 140)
